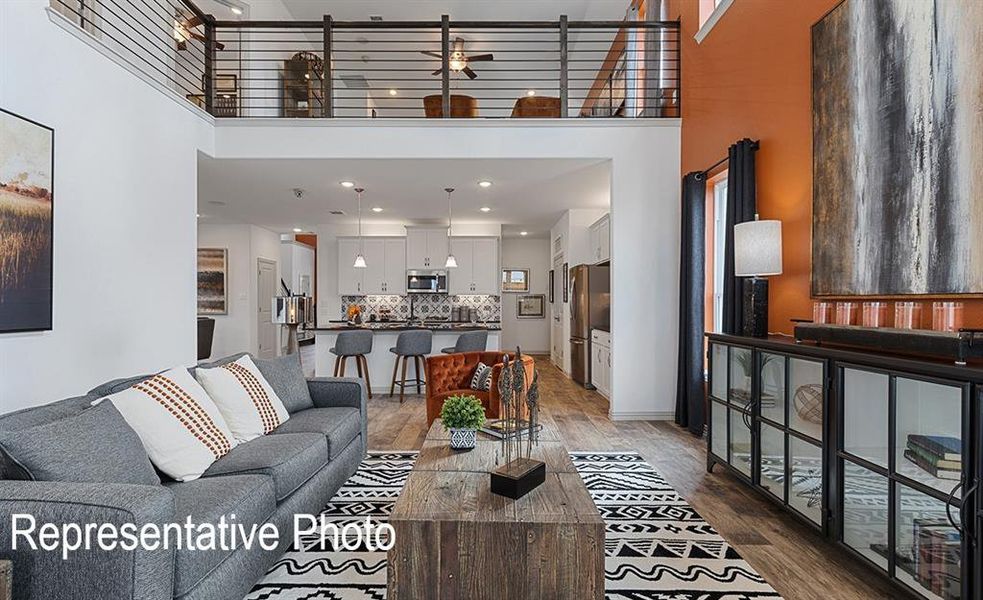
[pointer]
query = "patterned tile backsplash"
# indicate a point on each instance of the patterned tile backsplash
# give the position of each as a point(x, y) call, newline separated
point(489, 308)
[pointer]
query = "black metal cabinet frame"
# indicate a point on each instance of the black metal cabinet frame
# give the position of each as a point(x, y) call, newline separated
point(964, 499)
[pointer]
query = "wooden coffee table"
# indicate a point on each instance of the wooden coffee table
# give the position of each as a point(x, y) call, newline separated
point(457, 540)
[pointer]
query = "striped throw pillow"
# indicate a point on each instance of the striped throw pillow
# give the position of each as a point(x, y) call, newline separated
point(245, 398)
point(482, 378)
point(181, 429)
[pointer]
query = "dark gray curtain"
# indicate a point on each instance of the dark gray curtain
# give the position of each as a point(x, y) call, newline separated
point(741, 207)
point(692, 271)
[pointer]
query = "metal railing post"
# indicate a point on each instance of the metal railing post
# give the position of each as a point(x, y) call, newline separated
point(445, 61)
point(327, 84)
point(209, 75)
point(564, 74)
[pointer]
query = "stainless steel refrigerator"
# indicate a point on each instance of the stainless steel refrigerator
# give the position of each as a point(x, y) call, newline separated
point(590, 308)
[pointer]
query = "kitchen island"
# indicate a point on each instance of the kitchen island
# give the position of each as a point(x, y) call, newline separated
point(380, 360)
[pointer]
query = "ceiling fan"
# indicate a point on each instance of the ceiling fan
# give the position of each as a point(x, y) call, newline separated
point(184, 30)
point(458, 60)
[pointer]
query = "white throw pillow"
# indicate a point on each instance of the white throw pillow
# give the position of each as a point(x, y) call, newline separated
point(180, 427)
point(248, 403)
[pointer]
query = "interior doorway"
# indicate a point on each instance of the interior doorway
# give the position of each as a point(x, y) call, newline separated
point(266, 330)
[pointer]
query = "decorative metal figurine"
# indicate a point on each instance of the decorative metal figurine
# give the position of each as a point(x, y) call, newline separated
point(520, 417)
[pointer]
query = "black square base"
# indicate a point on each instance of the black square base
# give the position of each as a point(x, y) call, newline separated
point(518, 478)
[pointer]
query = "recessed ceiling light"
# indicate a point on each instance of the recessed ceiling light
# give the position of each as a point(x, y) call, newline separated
point(376, 209)
point(485, 209)
point(393, 92)
point(236, 10)
point(484, 183)
point(531, 93)
point(348, 184)
point(523, 233)
point(298, 230)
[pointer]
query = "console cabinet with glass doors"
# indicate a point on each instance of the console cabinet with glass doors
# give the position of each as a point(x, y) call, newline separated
point(880, 453)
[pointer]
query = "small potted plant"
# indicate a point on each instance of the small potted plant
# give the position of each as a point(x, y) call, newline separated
point(462, 416)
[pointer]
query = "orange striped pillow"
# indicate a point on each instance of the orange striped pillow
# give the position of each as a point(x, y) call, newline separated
point(180, 427)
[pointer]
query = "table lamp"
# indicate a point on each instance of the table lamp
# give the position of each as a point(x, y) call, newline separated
point(757, 254)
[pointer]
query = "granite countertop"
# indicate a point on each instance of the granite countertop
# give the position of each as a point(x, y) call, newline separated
point(404, 326)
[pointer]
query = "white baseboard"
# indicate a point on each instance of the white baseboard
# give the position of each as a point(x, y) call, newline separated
point(654, 415)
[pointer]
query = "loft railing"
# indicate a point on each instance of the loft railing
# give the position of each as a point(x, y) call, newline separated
point(387, 69)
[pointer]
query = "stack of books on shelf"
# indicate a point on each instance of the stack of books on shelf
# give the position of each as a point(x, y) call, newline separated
point(937, 455)
point(936, 557)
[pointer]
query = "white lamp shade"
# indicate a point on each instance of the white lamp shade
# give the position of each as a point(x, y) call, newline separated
point(758, 248)
point(451, 262)
point(360, 262)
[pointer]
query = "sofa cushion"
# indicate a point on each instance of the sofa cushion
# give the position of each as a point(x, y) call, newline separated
point(247, 402)
point(286, 377)
point(289, 459)
point(179, 425)
point(95, 446)
point(483, 396)
point(249, 497)
point(117, 385)
point(340, 425)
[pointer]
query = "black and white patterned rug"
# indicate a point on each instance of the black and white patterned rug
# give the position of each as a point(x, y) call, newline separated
point(657, 547)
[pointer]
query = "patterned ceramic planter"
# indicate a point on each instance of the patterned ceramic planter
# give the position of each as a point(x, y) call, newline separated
point(463, 439)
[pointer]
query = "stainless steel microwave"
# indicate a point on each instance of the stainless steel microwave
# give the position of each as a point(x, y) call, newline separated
point(426, 282)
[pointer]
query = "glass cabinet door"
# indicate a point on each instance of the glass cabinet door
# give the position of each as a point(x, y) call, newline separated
point(718, 429)
point(741, 368)
point(865, 513)
point(928, 433)
point(806, 385)
point(771, 465)
point(927, 546)
point(740, 442)
point(772, 386)
point(718, 374)
point(865, 414)
point(805, 493)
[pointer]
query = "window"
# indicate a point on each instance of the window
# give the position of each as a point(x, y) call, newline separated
point(719, 242)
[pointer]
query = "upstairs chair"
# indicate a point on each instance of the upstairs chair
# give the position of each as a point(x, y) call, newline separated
point(469, 341)
point(355, 344)
point(462, 107)
point(415, 344)
point(450, 375)
point(537, 107)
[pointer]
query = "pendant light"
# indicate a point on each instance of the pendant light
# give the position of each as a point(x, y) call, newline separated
point(451, 261)
point(359, 259)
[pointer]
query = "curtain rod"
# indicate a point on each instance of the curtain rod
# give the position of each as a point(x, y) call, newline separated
point(754, 146)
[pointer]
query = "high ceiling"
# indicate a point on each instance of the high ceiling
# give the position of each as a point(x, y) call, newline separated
point(525, 195)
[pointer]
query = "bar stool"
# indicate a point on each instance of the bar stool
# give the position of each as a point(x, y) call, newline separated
point(417, 343)
point(469, 341)
point(356, 344)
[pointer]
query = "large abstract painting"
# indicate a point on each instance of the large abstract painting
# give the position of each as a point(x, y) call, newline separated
point(213, 297)
point(898, 148)
point(26, 203)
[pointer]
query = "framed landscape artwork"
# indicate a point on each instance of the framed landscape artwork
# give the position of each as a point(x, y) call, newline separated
point(213, 298)
point(898, 149)
point(27, 163)
point(515, 280)
point(531, 307)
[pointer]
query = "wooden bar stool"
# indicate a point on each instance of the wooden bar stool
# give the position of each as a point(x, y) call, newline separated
point(353, 344)
point(469, 341)
point(416, 344)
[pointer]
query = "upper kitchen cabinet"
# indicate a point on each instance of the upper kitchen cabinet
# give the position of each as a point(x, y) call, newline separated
point(477, 266)
point(385, 266)
point(426, 248)
point(600, 239)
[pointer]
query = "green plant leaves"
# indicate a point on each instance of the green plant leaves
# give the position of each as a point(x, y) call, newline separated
point(462, 412)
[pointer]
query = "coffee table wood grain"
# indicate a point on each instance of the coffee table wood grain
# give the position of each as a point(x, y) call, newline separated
point(456, 540)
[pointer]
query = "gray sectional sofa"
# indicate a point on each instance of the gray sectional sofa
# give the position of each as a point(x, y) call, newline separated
point(295, 469)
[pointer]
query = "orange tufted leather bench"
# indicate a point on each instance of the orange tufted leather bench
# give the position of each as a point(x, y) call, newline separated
point(450, 374)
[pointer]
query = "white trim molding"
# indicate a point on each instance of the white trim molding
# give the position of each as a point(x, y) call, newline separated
point(654, 415)
point(712, 20)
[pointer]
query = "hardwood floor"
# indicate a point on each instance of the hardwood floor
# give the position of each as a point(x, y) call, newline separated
point(795, 560)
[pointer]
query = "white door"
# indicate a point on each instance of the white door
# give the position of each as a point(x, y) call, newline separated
point(395, 266)
point(416, 249)
point(460, 280)
point(374, 273)
point(349, 278)
point(484, 261)
point(266, 290)
point(436, 248)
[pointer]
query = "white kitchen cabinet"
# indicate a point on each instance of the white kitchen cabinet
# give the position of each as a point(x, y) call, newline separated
point(477, 266)
point(600, 239)
point(601, 362)
point(349, 278)
point(385, 266)
point(426, 248)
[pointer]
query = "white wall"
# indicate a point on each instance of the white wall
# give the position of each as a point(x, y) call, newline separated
point(296, 261)
point(124, 224)
point(532, 335)
point(644, 191)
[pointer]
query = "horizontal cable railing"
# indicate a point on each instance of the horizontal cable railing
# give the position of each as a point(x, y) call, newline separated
point(164, 40)
point(388, 69)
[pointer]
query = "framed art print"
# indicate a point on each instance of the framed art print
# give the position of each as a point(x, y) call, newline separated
point(27, 165)
point(515, 280)
point(531, 307)
point(213, 297)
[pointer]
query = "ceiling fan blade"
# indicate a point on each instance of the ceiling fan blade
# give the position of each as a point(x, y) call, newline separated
point(470, 73)
point(192, 22)
point(437, 72)
point(433, 54)
point(481, 57)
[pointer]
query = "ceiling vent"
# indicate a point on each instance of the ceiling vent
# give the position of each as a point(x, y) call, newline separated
point(354, 82)
point(336, 212)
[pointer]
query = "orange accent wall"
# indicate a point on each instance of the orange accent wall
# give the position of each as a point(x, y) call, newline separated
point(751, 78)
